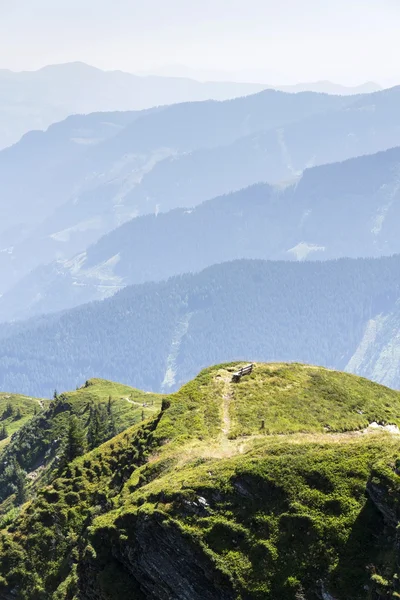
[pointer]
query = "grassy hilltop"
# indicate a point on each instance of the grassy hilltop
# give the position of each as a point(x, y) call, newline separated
point(276, 487)
point(15, 412)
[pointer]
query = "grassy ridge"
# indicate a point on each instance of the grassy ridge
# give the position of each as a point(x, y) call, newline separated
point(129, 404)
point(23, 409)
point(39, 442)
point(197, 499)
point(300, 398)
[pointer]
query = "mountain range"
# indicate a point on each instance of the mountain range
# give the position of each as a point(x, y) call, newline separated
point(63, 188)
point(234, 262)
point(36, 99)
point(67, 187)
point(31, 100)
point(342, 209)
point(260, 76)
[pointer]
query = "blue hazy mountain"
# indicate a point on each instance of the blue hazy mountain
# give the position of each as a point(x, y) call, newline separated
point(64, 188)
point(342, 209)
point(36, 99)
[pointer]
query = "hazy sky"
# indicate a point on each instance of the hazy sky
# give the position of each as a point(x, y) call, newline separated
point(287, 40)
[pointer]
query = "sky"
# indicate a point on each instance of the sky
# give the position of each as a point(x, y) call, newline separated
point(276, 41)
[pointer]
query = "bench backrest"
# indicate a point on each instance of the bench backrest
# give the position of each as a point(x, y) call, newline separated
point(243, 371)
point(246, 370)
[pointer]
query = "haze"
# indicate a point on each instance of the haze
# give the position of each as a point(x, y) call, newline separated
point(348, 41)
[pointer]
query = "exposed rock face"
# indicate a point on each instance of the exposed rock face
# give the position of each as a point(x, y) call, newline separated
point(159, 560)
point(379, 497)
point(383, 491)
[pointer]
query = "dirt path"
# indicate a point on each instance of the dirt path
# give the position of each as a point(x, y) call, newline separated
point(224, 447)
point(227, 398)
point(132, 402)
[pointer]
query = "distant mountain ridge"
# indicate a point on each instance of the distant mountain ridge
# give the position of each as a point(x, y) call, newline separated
point(325, 87)
point(348, 209)
point(64, 188)
point(36, 99)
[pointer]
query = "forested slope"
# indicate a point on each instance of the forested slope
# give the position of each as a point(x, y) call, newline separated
point(156, 336)
point(42, 435)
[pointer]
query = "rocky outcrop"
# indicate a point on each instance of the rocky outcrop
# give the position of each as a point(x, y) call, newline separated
point(379, 497)
point(157, 557)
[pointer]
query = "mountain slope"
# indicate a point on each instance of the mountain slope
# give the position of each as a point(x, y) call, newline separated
point(40, 429)
point(378, 352)
point(175, 508)
point(158, 335)
point(36, 160)
point(36, 99)
point(159, 161)
point(344, 209)
point(68, 202)
point(15, 412)
point(368, 125)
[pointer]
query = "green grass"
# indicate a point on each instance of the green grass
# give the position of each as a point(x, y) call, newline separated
point(292, 499)
point(39, 439)
point(129, 404)
point(194, 411)
point(297, 398)
point(260, 514)
point(24, 406)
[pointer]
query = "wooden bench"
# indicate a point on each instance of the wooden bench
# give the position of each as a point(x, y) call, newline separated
point(247, 370)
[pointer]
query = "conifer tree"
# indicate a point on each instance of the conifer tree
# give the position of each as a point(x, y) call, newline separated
point(18, 478)
point(20, 483)
point(112, 426)
point(9, 411)
point(3, 432)
point(76, 442)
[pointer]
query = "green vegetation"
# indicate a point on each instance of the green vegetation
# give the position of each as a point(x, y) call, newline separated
point(198, 499)
point(16, 411)
point(297, 398)
point(65, 428)
point(311, 312)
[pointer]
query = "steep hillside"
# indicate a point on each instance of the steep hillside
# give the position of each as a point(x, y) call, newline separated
point(38, 447)
point(207, 501)
point(378, 352)
point(158, 335)
point(344, 209)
